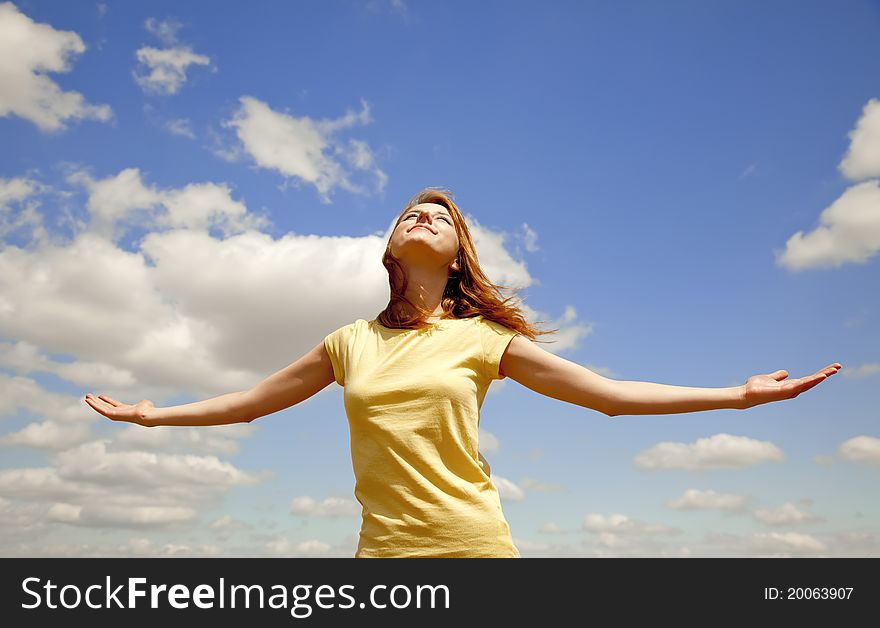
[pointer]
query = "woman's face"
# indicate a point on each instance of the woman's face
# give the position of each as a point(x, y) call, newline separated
point(425, 234)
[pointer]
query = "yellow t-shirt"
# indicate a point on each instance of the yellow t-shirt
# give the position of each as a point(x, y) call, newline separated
point(413, 400)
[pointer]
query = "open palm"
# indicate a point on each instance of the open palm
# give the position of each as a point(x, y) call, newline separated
point(118, 411)
point(774, 387)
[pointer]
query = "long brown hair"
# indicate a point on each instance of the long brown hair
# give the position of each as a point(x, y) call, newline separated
point(468, 292)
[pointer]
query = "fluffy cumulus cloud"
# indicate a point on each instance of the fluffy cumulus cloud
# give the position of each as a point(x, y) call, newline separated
point(29, 52)
point(850, 227)
point(137, 546)
point(163, 70)
point(622, 525)
point(282, 546)
point(306, 150)
point(306, 506)
point(507, 490)
point(532, 484)
point(861, 449)
point(220, 439)
point(620, 535)
point(695, 499)
point(91, 486)
point(58, 421)
point(489, 443)
point(227, 526)
point(721, 451)
point(862, 159)
point(773, 545)
point(863, 371)
point(787, 514)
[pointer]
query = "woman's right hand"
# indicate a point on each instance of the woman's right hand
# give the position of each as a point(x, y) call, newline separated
point(118, 411)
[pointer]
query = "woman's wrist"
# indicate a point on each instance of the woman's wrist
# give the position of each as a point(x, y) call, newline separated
point(739, 400)
point(149, 417)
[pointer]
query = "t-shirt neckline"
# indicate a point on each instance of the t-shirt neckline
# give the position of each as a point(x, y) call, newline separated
point(441, 322)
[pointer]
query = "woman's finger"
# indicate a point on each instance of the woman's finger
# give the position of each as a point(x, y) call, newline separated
point(104, 408)
point(812, 381)
point(94, 404)
point(110, 400)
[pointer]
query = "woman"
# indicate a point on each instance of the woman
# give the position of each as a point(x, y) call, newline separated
point(414, 381)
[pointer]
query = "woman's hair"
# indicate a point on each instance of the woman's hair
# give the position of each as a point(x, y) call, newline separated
point(468, 292)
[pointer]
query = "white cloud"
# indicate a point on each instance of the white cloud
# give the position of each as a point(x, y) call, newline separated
point(862, 159)
point(721, 451)
point(48, 435)
point(29, 51)
point(15, 190)
point(619, 535)
point(488, 442)
point(532, 484)
point(783, 544)
point(619, 524)
point(219, 439)
point(133, 547)
point(182, 127)
point(25, 357)
point(550, 528)
point(495, 258)
point(90, 485)
point(18, 209)
point(93, 462)
point(609, 543)
point(227, 525)
point(120, 202)
point(164, 30)
point(311, 548)
point(507, 490)
point(163, 70)
point(61, 420)
point(864, 449)
point(850, 232)
point(861, 372)
point(787, 514)
point(570, 332)
point(20, 524)
point(850, 226)
point(696, 499)
point(530, 238)
point(101, 516)
point(304, 148)
point(305, 506)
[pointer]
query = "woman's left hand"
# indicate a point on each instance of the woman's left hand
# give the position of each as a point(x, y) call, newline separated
point(770, 387)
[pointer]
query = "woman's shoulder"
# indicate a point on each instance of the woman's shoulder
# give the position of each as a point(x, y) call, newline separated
point(349, 328)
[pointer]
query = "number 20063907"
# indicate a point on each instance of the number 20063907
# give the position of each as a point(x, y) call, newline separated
point(808, 593)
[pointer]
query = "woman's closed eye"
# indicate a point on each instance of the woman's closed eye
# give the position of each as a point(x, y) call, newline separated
point(408, 216)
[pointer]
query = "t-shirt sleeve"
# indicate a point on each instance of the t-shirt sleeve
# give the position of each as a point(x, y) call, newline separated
point(495, 338)
point(336, 343)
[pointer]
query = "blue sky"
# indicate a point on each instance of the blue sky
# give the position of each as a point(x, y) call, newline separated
point(193, 195)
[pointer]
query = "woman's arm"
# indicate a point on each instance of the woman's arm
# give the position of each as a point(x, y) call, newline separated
point(222, 410)
point(289, 386)
point(553, 376)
